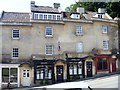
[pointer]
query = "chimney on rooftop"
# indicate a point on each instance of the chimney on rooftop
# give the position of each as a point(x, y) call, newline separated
point(32, 3)
point(101, 10)
point(56, 5)
point(80, 10)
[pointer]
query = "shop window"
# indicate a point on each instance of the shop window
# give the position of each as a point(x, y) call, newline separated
point(73, 69)
point(44, 72)
point(102, 64)
point(5, 75)
point(9, 75)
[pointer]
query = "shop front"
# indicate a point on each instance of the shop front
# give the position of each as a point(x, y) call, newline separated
point(9, 75)
point(103, 63)
point(75, 68)
point(44, 71)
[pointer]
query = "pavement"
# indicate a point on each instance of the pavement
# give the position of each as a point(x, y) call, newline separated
point(111, 80)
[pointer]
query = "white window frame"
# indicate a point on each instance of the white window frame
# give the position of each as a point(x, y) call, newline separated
point(104, 29)
point(46, 30)
point(45, 16)
point(49, 17)
point(41, 16)
point(54, 17)
point(79, 47)
point(100, 16)
point(49, 49)
point(36, 15)
point(58, 17)
point(15, 52)
point(105, 45)
point(79, 30)
point(14, 32)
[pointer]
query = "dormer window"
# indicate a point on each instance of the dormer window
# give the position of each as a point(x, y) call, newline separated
point(41, 16)
point(58, 17)
point(36, 16)
point(54, 17)
point(99, 15)
point(45, 17)
point(49, 17)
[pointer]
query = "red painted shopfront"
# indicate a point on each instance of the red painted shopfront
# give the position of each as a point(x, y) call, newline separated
point(103, 63)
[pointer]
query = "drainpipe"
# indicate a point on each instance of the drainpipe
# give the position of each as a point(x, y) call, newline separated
point(0, 77)
point(119, 44)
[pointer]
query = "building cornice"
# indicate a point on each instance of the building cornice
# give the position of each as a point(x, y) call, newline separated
point(77, 20)
point(46, 22)
point(14, 24)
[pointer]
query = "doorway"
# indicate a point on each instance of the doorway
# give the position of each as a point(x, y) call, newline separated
point(59, 73)
point(26, 77)
point(113, 65)
point(89, 68)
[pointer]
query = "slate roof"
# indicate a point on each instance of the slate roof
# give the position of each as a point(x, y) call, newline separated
point(15, 17)
point(88, 15)
point(44, 9)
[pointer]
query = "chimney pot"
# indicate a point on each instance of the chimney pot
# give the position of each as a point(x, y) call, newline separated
point(32, 3)
point(56, 5)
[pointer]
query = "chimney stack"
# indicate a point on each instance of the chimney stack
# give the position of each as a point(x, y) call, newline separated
point(80, 10)
point(32, 3)
point(101, 10)
point(56, 5)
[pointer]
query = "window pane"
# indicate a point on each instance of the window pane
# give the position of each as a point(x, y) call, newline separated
point(79, 30)
point(13, 74)
point(105, 45)
point(49, 31)
point(105, 64)
point(71, 69)
point(15, 52)
point(41, 16)
point(49, 49)
point(105, 29)
point(79, 69)
point(75, 69)
point(15, 33)
point(5, 74)
point(99, 64)
point(45, 17)
point(79, 47)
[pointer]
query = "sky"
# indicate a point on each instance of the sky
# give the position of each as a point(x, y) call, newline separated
point(24, 5)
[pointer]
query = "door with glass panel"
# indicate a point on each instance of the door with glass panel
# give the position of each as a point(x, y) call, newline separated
point(59, 72)
point(26, 77)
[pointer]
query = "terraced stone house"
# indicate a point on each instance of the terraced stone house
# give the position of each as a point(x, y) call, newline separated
point(48, 45)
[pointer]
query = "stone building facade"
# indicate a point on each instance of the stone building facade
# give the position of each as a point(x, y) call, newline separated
point(48, 45)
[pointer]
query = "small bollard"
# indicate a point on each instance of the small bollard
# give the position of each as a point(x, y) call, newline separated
point(8, 86)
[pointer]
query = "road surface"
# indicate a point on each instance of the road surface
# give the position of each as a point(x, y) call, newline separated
point(105, 82)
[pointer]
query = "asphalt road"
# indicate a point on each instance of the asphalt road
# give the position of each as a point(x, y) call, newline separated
point(105, 82)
